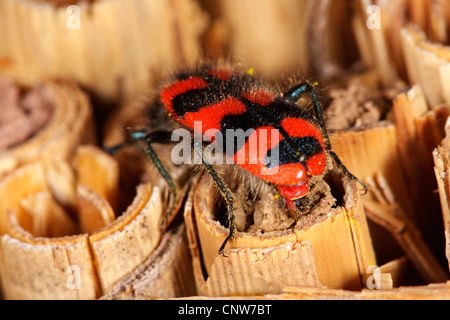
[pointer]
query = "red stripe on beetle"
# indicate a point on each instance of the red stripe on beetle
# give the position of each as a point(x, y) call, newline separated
point(297, 127)
point(181, 87)
point(251, 157)
point(261, 97)
point(211, 116)
point(316, 164)
point(287, 174)
point(223, 75)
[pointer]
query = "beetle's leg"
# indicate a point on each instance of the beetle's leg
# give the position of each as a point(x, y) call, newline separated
point(133, 137)
point(163, 137)
point(344, 169)
point(114, 149)
point(227, 196)
point(293, 95)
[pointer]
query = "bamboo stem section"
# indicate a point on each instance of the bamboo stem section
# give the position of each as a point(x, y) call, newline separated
point(441, 169)
point(403, 40)
point(340, 236)
point(113, 48)
point(40, 267)
point(100, 250)
point(304, 37)
point(69, 126)
point(385, 212)
point(167, 273)
point(418, 133)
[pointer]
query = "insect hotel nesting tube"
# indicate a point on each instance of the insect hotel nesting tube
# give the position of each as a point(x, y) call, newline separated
point(267, 262)
point(62, 234)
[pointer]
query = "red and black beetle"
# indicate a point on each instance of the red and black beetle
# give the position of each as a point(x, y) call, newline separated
point(293, 143)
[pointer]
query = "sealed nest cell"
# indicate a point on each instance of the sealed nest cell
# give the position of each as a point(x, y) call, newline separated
point(41, 120)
